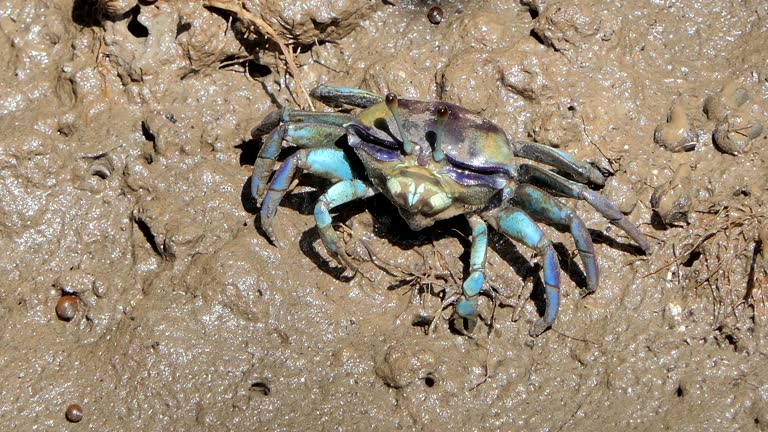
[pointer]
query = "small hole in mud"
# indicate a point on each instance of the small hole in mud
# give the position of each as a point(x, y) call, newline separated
point(692, 258)
point(571, 108)
point(261, 388)
point(137, 29)
point(423, 320)
point(182, 28)
point(533, 12)
point(65, 130)
point(148, 135)
point(254, 68)
point(430, 381)
point(679, 392)
point(257, 70)
point(538, 38)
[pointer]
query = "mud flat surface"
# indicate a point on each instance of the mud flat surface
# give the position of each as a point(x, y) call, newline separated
point(125, 158)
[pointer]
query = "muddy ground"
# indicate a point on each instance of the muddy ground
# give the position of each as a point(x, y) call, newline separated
point(125, 160)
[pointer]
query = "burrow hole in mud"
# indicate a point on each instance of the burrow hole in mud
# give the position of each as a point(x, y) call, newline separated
point(147, 232)
point(430, 381)
point(137, 29)
point(537, 38)
point(679, 392)
point(261, 388)
point(692, 258)
point(150, 138)
point(255, 69)
point(147, 133)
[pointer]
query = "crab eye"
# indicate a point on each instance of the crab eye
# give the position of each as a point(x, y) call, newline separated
point(442, 116)
point(391, 101)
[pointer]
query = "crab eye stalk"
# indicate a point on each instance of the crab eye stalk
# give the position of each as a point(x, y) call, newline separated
point(391, 101)
point(442, 116)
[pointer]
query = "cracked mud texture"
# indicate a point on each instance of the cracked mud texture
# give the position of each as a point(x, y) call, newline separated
point(124, 166)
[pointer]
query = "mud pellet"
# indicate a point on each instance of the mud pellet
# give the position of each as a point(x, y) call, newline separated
point(435, 15)
point(66, 308)
point(74, 413)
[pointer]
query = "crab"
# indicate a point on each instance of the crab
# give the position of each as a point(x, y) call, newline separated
point(434, 160)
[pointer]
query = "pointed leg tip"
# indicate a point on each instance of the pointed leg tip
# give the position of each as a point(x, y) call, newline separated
point(345, 261)
point(463, 325)
point(539, 327)
point(270, 234)
point(644, 245)
point(591, 287)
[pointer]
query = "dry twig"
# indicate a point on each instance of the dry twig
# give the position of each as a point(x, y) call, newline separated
point(236, 7)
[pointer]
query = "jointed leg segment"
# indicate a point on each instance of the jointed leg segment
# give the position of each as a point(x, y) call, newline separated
point(340, 193)
point(516, 224)
point(330, 163)
point(544, 207)
point(552, 182)
point(466, 306)
point(303, 135)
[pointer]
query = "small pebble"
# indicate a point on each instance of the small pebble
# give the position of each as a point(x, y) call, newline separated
point(66, 308)
point(74, 413)
point(99, 288)
point(435, 15)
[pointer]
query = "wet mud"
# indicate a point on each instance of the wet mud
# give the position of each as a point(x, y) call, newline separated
point(139, 291)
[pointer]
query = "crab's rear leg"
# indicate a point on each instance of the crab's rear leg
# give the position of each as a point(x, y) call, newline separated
point(335, 96)
point(329, 163)
point(544, 207)
point(518, 226)
point(550, 181)
point(581, 171)
point(340, 193)
point(466, 306)
point(304, 135)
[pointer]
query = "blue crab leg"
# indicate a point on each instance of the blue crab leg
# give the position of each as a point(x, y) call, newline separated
point(560, 185)
point(542, 206)
point(335, 96)
point(330, 163)
point(304, 135)
point(466, 306)
point(514, 223)
point(580, 170)
point(292, 115)
point(340, 193)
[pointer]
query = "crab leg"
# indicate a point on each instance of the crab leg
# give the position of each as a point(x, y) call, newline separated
point(581, 171)
point(304, 135)
point(560, 185)
point(292, 115)
point(335, 96)
point(329, 163)
point(542, 206)
point(514, 223)
point(466, 307)
point(340, 193)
